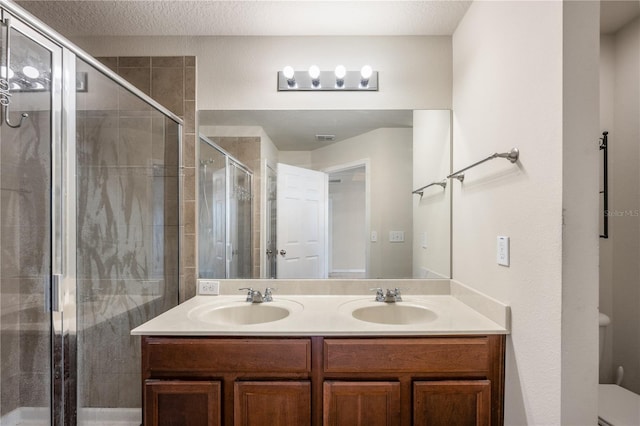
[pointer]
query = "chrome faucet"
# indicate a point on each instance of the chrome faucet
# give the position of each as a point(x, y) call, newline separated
point(391, 296)
point(254, 296)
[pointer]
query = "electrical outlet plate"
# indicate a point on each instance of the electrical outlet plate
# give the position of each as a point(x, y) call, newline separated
point(396, 236)
point(211, 287)
point(374, 236)
point(503, 251)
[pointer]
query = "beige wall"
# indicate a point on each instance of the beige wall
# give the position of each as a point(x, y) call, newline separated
point(240, 72)
point(389, 153)
point(620, 272)
point(510, 90)
point(432, 211)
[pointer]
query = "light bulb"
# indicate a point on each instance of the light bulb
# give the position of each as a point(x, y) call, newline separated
point(314, 72)
point(3, 72)
point(30, 72)
point(288, 72)
point(340, 71)
point(366, 72)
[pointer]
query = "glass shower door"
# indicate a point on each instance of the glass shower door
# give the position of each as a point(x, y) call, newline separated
point(30, 231)
point(239, 257)
point(212, 213)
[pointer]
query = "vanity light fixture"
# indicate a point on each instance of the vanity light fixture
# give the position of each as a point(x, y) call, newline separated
point(340, 79)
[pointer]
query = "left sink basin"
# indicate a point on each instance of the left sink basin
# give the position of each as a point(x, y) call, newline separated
point(243, 313)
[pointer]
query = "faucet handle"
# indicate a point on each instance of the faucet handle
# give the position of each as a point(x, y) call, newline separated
point(398, 295)
point(379, 294)
point(249, 294)
point(268, 296)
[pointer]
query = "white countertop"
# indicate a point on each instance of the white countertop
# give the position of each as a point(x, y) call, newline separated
point(324, 315)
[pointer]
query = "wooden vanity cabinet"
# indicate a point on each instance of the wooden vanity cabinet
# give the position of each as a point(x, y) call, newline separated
point(258, 379)
point(402, 381)
point(447, 380)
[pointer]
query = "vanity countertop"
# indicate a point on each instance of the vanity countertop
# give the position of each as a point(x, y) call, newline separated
point(331, 315)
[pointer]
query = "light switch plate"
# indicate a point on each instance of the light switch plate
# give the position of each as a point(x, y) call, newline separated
point(423, 238)
point(503, 251)
point(396, 236)
point(211, 287)
point(374, 236)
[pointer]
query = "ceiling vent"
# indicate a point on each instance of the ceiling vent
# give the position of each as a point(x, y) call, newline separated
point(325, 138)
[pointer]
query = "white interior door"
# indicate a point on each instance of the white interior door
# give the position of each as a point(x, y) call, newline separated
point(302, 222)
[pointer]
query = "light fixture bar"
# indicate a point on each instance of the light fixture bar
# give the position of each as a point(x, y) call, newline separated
point(352, 82)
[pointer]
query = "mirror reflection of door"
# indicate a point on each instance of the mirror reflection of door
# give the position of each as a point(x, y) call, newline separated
point(347, 223)
point(301, 222)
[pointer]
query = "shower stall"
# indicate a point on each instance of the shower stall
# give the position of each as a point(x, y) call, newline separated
point(89, 235)
point(225, 214)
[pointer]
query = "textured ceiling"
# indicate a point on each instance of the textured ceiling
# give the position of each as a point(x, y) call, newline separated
point(249, 17)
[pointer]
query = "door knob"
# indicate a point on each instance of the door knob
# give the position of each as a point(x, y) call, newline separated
point(283, 252)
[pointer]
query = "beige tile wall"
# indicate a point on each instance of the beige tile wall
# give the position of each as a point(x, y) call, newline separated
point(171, 81)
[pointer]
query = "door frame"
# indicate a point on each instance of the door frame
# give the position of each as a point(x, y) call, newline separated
point(366, 163)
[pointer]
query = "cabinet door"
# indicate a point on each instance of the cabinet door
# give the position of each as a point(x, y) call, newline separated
point(272, 403)
point(176, 402)
point(452, 402)
point(361, 403)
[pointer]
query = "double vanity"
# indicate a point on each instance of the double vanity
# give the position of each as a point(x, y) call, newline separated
point(425, 355)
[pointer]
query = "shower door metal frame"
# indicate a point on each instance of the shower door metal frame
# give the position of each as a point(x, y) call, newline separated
point(60, 288)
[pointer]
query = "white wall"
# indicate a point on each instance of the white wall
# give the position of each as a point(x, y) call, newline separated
point(508, 91)
point(432, 211)
point(240, 72)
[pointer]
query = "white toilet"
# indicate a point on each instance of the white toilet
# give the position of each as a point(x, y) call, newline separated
point(617, 406)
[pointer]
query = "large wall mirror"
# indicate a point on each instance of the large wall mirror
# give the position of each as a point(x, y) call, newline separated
point(333, 193)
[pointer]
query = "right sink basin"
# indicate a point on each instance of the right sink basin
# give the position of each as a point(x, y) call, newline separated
point(394, 313)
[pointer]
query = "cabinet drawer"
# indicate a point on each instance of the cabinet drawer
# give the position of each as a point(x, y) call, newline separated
point(165, 357)
point(407, 355)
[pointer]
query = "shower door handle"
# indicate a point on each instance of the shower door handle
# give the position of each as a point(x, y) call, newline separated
point(53, 299)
